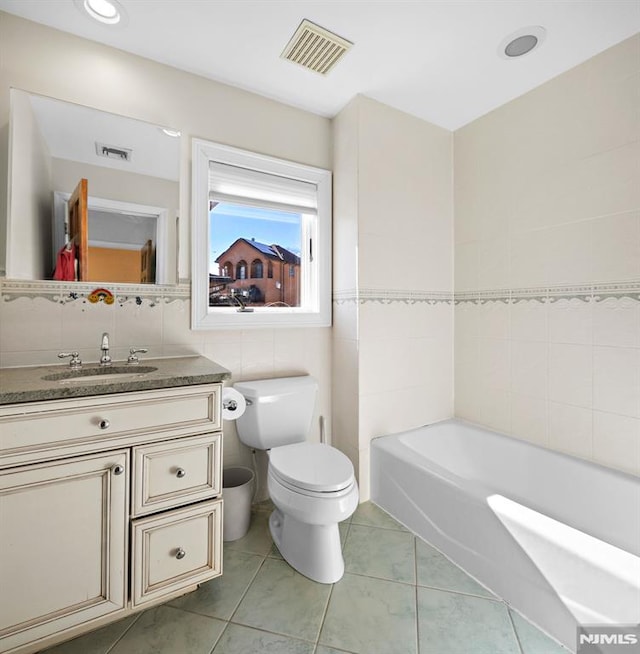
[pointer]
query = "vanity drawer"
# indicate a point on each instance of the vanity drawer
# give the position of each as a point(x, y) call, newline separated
point(176, 472)
point(176, 550)
point(31, 429)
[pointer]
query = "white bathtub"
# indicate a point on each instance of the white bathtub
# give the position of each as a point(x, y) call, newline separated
point(556, 537)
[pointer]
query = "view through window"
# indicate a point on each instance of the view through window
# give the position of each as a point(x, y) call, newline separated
point(261, 240)
point(254, 256)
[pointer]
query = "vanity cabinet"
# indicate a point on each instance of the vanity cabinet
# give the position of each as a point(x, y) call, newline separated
point(108, 504)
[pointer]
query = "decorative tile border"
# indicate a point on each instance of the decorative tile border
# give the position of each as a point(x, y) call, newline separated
point(391, 296)
point(629, 290)
point(551, 294)
point(65, 292)
point(546, 294)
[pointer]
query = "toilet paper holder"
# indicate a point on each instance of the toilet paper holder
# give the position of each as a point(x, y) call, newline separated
point(232, 405)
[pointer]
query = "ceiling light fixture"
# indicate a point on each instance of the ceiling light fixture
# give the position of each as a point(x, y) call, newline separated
point(170, 132)
point(522, 42)
point(110, 12)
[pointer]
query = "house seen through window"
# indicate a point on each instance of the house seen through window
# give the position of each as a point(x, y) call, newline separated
point(270, 240)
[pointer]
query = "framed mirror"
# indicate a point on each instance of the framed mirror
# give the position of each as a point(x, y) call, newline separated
point(93, 196)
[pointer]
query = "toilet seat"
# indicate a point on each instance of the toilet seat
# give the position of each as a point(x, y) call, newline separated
point(312, 468)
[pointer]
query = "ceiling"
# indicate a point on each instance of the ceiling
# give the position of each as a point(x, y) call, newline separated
point(434, 59)
point(72, 132)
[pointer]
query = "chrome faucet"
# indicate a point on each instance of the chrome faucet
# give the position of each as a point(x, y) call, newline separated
point(105, 359)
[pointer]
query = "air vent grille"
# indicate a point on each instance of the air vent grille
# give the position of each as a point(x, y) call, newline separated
point(315, 48)
point(113, 152)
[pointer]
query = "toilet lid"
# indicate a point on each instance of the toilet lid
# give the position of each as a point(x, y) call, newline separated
point(312, 466)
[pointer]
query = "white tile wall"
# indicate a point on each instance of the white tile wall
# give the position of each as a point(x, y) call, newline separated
point(393, 237)
point(570, 321)
point(529, 320)
point(529, 368)
point(549, 184)
point(616, 322)
point(616, 441)
point(549, 390)
point(571, 374)
point(616, 380)
point(571, 429)
point(529, 418)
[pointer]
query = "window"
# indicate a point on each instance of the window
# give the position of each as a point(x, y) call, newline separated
point(266, 211)
point(256, 269)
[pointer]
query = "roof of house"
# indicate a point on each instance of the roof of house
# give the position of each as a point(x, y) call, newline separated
point(273, 251)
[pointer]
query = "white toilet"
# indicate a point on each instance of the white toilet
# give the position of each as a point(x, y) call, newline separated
point(312, 485)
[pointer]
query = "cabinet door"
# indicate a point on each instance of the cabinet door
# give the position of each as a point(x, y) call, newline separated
point(63, 538)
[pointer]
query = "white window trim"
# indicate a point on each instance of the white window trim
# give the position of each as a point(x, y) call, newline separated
point(204, 317)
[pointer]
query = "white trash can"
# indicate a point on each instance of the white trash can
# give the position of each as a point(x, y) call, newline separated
point(237, 493)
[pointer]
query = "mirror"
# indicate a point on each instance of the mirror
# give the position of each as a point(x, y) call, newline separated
point(93, 196)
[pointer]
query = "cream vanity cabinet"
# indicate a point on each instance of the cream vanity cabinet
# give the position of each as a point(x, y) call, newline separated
point(108, 504)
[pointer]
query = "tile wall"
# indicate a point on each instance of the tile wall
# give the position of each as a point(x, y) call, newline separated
point(393, 276)
point(547, 242)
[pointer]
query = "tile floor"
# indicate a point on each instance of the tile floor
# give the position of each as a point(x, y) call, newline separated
point(398, 596)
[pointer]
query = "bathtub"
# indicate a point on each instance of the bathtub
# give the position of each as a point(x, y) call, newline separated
point(558, 538)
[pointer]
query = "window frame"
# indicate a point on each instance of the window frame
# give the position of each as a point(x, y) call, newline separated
point(316, 312)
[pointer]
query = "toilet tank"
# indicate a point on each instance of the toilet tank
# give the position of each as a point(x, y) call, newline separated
point(279, 411)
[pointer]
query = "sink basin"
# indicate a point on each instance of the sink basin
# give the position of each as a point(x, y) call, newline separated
point(106, 374)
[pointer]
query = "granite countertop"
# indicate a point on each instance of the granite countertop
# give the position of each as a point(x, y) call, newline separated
point(26, 384)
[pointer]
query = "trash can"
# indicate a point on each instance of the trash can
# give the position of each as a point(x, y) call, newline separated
point(237, 492)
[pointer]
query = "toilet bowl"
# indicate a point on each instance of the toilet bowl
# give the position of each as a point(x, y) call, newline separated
point(312, 485)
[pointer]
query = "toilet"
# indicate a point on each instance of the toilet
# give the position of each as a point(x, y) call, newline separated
point(312, 485)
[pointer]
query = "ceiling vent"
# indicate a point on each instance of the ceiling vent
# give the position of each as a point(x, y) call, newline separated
point(315, 48)
point(113, 152)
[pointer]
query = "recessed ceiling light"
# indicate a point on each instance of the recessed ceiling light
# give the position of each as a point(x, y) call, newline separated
point(110, 12)
point(522, 42)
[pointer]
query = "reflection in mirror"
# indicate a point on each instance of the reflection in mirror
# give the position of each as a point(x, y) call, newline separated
point(93, 196)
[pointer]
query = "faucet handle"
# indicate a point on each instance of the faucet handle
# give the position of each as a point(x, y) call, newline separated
point(75, 358)
point(132, 358)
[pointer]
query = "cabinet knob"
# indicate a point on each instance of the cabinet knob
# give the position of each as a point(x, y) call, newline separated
point(117, 470)
point(180, 473)
point(180, 554)
point(104, 424)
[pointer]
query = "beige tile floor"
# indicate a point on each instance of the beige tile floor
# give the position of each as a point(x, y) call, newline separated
point(398, 596)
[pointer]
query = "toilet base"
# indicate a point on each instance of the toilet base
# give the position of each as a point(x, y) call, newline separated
point(314, 551)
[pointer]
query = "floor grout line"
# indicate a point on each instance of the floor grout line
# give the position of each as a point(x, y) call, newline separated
point(124, 633)
point(217, 640)
point(246, 590)
point(513, 627)
point(273, 633)
point(324, 616)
